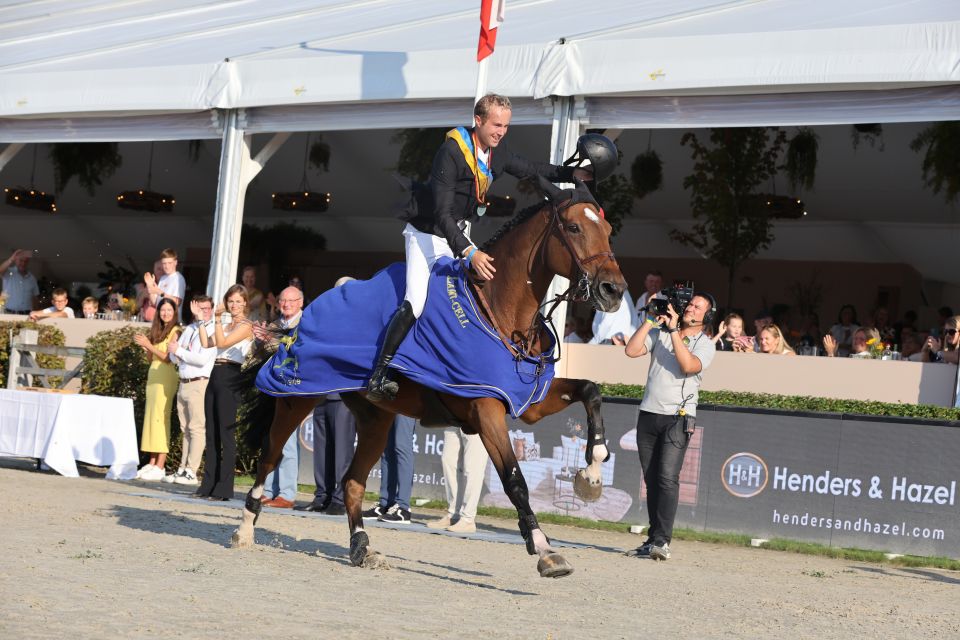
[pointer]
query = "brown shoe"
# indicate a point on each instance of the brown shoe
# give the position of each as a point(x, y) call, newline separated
point(279, 503)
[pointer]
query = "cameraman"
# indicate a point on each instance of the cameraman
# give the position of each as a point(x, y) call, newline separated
point(679, 352)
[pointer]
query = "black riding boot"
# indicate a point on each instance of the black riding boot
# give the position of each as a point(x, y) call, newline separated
point(381, 387)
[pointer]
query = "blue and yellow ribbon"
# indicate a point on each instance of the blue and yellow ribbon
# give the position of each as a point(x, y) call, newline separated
point(481, 172)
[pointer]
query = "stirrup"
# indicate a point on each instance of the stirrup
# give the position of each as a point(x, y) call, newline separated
point(381, 388)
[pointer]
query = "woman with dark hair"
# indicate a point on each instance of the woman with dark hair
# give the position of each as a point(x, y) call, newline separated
point(233, 335)
point(843, 331)
point(162, 383)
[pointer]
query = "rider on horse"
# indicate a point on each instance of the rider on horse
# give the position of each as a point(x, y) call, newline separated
point(439, 214)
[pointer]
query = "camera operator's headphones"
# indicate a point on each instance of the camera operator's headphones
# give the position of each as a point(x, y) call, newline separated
point(711, 313)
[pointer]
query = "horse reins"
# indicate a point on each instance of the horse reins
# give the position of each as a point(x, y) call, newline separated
point(575, 292)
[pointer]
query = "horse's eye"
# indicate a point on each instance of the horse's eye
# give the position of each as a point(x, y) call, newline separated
point(573, 227)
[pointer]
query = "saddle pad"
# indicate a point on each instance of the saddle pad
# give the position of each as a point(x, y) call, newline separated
point(449, 349)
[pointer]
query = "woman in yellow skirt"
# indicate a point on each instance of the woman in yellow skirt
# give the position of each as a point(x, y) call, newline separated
point(162, 383)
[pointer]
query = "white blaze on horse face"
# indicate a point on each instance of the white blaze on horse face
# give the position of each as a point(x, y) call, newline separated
point(591, 215)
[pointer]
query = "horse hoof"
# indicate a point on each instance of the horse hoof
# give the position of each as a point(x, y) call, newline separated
point(553, 565)
point(359, 542)
point(239, 541)
point(586, 489)
point(375, 560)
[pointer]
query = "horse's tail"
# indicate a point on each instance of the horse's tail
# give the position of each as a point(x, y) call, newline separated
point(255, 414)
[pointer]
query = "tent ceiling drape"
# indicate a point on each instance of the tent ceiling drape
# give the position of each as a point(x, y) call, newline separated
point(181, 58)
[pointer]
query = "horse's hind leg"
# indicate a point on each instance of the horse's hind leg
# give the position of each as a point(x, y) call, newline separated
point(487, 416)
point(373, 427)
point(289, 413)
point(588, 483)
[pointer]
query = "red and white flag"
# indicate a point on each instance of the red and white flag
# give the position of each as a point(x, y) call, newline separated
point(491, 15)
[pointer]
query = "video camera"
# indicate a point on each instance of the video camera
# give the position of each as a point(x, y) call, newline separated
point(679, 296)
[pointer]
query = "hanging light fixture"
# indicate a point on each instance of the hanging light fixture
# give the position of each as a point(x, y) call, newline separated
point(304, 199)
point(30, 198)
point(780, 206)
point(145, 199)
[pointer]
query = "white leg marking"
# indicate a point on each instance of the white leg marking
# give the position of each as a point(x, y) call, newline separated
point(540, 543)
point(594, 469)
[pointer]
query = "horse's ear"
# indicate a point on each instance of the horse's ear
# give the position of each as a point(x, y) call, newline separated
point(548, 188)
point(586, 193)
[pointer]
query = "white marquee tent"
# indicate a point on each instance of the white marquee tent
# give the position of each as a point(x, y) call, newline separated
point(89, 70)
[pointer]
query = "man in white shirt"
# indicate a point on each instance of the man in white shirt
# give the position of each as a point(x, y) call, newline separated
point(19, 285)
point(652, 285)
point(615, 327)
point(195, 364)
point(58, 309)
point(171, 284)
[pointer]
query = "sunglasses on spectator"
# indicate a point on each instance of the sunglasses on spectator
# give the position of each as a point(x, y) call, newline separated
point(950, 332)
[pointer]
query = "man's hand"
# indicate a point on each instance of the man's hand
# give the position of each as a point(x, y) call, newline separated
point(261, 333)
point(195, 310)
point(37, 315)
point(173, 346)
point(482, 263)
point(671, 319)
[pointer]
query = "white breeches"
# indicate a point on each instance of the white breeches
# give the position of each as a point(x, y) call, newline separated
point(423, 250)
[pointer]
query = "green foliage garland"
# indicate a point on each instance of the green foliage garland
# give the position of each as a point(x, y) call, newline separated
point(802, 403)
point(48, 335)
point(90, 162)
point(940, 143)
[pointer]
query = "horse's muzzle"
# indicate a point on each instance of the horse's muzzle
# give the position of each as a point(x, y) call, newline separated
point(609, 294)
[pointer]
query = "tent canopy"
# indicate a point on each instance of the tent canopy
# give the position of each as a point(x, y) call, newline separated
point(123, 57)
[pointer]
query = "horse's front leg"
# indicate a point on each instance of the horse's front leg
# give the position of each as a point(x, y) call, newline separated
point(487, 417)
point(289, 413)
point(588, 483)
point(373, 427)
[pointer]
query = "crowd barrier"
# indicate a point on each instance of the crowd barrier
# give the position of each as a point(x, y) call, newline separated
point(888, 484)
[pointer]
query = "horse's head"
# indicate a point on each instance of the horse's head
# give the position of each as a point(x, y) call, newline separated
point(578, 246)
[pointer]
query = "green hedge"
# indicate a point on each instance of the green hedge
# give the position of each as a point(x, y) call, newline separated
point(49, 335)
point(802, 403)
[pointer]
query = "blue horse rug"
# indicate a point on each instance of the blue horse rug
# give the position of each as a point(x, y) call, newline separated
point(450, 348)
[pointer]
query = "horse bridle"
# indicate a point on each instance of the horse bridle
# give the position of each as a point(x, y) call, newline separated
point(579, 292)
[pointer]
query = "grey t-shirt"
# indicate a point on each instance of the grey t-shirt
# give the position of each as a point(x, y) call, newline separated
point(667, 386)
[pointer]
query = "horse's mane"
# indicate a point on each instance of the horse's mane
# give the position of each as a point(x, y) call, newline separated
point(572, 195)
point(514, 222)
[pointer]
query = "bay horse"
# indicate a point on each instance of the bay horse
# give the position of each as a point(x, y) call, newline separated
point(566, 235)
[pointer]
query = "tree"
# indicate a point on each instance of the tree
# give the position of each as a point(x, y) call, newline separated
point(940, 143)
point(615, 195)
point(417, 148)
point(90, 162)
point(723, 195)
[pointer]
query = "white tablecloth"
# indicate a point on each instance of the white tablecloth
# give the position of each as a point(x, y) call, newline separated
point(63, 428)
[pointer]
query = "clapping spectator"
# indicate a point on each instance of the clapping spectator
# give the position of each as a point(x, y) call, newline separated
point(19, 285)
point(729, 330)
point(58, 309)
point(842, 332)
point(162, 383)
point(772, 341)
point(859, 348)
point(171, 285)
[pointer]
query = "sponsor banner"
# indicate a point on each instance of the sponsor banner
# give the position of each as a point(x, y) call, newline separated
point(883, 484)
point(879, 484)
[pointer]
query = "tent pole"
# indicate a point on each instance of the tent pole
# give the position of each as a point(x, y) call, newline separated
point(237, 169)
point(8, 154)
point(565, 131)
